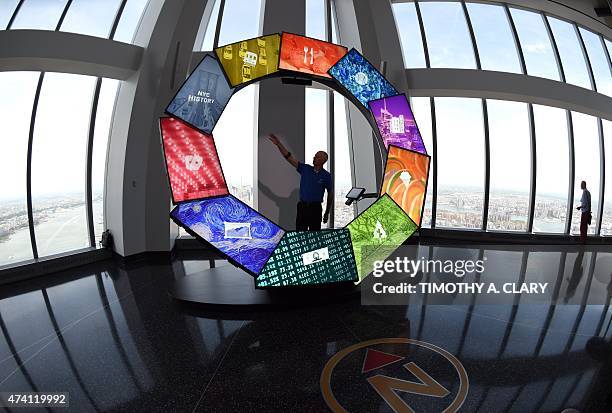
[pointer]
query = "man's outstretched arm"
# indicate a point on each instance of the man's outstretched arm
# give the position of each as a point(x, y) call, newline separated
point(328, 207)
point(281, 148)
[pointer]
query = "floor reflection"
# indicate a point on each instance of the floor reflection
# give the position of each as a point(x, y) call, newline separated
point(112, 337)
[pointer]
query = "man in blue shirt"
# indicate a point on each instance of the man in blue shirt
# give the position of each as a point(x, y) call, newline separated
point(585, 208)
point(313, 183)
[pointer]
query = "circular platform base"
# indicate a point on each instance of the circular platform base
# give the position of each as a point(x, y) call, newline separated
point(230, 287)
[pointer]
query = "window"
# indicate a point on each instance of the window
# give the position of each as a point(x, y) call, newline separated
point(59, 163)
point(104, 116)
point(316, 136)
point(494, 38)
point(315, 19)
point(587, 155)
point(236, 129)
point(572, 58)
point(535, 43)
point(409, 32)
point(599, 61)
point(7, 8)
point(88, 17)
point(606, 227)
point(241, 20)
point(211, 26)
point(421, 108)
point(334, 24)
point(448, 39)
point(316, 122)
point(39, 14)
point(91, 17)
point(510, 146)
point(130, 19)
point(343, 182)
point(18, 89)
point(552, 151)
point(460, 162)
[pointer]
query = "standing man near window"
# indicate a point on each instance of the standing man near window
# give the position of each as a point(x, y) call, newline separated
point(313, 183)
point(585, 208)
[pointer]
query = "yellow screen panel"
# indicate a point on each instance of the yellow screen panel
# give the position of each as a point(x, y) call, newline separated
point(250, 59)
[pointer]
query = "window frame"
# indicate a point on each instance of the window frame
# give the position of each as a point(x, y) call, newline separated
point(88, 143)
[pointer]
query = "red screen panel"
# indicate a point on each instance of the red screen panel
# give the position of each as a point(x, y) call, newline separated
point(192, 162)
point(306, 55)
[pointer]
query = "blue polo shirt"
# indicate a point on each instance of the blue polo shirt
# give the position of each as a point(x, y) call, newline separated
point(312, 183)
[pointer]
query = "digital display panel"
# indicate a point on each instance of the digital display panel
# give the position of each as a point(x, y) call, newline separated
point(309, 258)
point(244, 235)
point(202, 98)
point(360, 78)
point(379, 227)
point(250, 59)
point(396, 123)
point(192, 162)
point(307, 55)
point(405, 180)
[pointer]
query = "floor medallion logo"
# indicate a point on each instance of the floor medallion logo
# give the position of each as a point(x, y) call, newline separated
point(409, 376)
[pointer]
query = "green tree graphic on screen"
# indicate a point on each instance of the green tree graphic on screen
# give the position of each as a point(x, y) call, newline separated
point(381, 228)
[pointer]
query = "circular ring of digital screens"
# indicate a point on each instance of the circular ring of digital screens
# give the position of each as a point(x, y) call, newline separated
point(276, 257)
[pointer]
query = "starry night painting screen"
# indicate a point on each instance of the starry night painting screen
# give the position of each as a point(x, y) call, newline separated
point(360, 78)
point(203, 97)
point(245, 236)
point(396, 123)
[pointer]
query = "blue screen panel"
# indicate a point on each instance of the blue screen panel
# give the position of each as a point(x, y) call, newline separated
point(203, 96)
point(360, 78)
point(310, 258)
point(231, 226)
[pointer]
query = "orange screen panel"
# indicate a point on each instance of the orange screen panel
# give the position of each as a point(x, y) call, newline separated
point(405, 180)
point(306, 55)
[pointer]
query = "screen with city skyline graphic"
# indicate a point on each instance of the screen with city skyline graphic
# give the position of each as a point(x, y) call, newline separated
point(244, 235)
point(192, 162)
point(377, 231)
point(360, 78)
point(202, 98)
point(396, 123)
point(310, 258)
point(248, 60)
point(308, 55)
point(405, 180)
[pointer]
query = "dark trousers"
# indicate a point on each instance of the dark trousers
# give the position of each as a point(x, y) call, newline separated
point(584, 226)
point(308, 216)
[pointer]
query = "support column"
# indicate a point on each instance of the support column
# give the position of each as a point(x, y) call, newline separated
point(281, 111)
point(369, 26)
point(138, 197)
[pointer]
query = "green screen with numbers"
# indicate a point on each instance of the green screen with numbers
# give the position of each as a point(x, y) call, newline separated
point(310, 258)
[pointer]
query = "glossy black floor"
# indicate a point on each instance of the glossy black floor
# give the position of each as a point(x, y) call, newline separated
point(113, 338)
